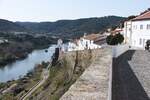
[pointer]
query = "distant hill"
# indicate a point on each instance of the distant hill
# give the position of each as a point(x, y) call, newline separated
point(68, 27)
point(8, 26)
point(63, 28)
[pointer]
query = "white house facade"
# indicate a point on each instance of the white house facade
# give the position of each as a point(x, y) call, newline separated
point(3, 41)
point(81, 44)
point(137, 30)
point(86, 42)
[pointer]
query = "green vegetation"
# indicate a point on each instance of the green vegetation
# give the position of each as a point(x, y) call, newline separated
point(63, 28)
point(73, 28)
point(8, 96)
point(24, 37)
point(13, 50)
point(8, 26)
point(115, 39)
point(63, 74)
point(20, 45)
point(23, 84)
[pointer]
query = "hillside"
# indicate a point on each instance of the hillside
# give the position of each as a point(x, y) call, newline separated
point(73, 27)
point(63, 28)
point(8, 26)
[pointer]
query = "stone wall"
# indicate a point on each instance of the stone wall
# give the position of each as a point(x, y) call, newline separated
point(94, 83)
point(119, 49)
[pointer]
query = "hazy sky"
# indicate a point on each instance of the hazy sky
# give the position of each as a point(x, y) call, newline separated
point(52, 10)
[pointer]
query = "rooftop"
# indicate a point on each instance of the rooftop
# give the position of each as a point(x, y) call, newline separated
point(92, 36)
point(144, 16)
point(116, 31)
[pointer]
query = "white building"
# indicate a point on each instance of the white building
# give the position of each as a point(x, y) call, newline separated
point(3, 41)
point(137, 30)
point(86, 42)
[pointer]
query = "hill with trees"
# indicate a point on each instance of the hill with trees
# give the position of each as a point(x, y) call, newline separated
point(8, 26)
point(63, 28)
point(73, 27)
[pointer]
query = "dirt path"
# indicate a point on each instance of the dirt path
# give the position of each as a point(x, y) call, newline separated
point(44, 76)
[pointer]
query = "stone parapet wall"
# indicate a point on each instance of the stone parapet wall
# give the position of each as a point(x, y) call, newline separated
point(93, 84)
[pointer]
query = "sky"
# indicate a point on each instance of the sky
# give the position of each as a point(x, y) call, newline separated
point(53, 10)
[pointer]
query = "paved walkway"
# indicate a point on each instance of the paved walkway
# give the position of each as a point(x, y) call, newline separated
point(93, 84)
point(131, 79)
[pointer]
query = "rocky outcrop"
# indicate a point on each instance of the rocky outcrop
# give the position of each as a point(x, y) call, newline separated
point(64, 73)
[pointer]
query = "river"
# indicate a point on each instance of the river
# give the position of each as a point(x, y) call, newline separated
point(19, 68)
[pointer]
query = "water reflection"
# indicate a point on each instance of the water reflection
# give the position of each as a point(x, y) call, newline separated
point(22, 67)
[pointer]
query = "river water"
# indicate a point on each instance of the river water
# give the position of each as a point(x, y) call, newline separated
point(20, 68)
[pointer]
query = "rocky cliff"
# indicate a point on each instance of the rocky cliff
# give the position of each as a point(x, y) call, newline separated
point(64, 73)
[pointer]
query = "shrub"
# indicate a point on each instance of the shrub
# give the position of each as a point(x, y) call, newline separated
point(115, 39)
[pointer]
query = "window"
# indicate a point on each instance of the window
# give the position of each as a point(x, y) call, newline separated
point(148, 26)
point(141, 27)
point(140, 42)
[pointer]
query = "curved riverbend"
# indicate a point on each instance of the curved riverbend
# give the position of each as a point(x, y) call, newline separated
point(21, 67)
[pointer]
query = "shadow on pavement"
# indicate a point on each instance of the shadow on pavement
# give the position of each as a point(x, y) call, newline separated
point(125, 85)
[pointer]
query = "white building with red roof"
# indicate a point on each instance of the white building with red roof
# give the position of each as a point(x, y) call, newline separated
point(137, 30)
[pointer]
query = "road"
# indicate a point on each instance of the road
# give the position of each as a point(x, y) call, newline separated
point(44, 76)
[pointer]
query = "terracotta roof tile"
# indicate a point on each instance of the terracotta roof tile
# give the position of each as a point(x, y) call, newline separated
point(144, 16)
point(91, 36)
point(115, 31)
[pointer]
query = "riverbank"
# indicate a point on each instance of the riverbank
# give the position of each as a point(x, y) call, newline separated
point(19, 68)
point(64, 73)
point(13, 90)
point(20, 45)
point(13, 51)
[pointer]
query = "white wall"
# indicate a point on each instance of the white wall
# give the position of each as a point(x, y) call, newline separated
point(135, 36)
point(82, 44)
point(140, 36)
point(127, 31)
point(119, 49)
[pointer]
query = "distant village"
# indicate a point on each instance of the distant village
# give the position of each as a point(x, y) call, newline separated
point(91, 41)
point(136, 33)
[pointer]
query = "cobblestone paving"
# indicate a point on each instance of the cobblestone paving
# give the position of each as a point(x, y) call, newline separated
point(93, 84)
point(131, 79)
